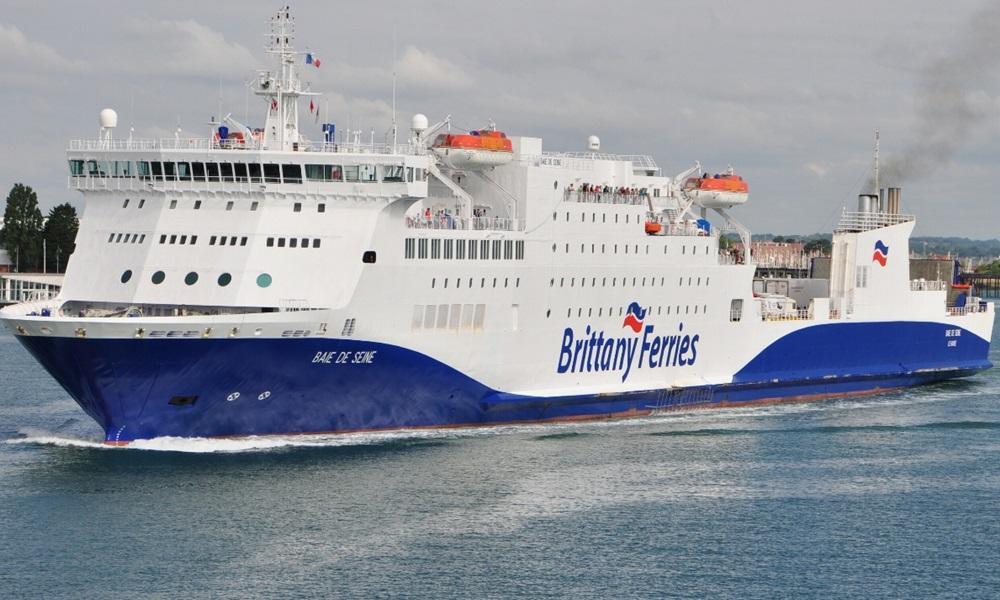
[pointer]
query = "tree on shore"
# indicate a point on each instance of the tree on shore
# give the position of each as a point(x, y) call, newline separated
point(60, 234)
point(22, 228)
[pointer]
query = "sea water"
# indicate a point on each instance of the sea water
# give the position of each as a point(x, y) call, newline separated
point(894, 495)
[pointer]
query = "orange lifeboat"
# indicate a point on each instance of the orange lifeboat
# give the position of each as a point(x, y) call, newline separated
point(720, 191)
point(483, 149)
point(653, 228)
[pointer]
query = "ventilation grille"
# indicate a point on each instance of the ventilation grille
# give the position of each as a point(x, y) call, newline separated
point(348, 330)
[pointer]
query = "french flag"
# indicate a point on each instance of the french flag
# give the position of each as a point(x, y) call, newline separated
point(312, 60)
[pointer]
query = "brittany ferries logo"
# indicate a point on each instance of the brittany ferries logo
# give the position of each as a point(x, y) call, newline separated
point(596, 350)
point(881, 255)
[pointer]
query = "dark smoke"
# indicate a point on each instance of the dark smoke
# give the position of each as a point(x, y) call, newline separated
point(951, 100)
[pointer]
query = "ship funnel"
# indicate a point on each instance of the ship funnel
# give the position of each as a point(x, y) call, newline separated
point(893, 201)
point(867, 203)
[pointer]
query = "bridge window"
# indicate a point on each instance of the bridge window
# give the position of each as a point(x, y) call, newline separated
point(212, 171)
point(255, 173)
point(392, 173)
point(198, 171)
point(226, 172)
point(272, 173)
point(292, 173)
point(76, 168)
point(183, 171)
point(368, 174)
point(351, 173)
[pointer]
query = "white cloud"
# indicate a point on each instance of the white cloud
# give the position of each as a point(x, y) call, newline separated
point(188, 49)
point(421, 68)
point(816, 169)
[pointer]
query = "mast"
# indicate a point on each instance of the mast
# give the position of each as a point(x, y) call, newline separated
point(876, 162)
point(281, 88)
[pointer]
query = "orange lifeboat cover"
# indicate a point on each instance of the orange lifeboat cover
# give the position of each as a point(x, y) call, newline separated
point(723, 183)
point(653, 227)
point(477, 140)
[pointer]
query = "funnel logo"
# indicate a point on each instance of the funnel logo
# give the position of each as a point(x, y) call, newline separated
point(595, 350)
point(634, 317)
point(881, 255)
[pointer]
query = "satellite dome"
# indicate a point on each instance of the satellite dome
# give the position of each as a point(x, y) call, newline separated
point(593, 143)
point(419, 123)
point(109, 118)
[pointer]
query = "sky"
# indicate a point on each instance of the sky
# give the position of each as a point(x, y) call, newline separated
point(787, 92)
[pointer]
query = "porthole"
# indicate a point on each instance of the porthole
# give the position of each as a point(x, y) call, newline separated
point(263, 280)
point(191, 278)
point(158, 277)
point(225, 279)
point(126, 276)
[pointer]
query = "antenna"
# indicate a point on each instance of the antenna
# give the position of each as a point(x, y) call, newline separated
point(876, 162)
point(394, 89)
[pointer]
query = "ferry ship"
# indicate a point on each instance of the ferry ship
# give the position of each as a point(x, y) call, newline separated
point(260, 281)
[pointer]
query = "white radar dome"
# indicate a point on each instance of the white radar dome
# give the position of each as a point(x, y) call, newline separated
point(109, 118)
point(419, 123)
point(593, 143)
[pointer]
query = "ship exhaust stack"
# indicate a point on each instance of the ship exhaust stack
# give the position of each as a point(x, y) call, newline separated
point(893, 206)
point(867, 203)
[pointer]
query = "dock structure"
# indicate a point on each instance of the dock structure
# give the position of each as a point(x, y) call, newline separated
point(984, 284)
point(26, 287)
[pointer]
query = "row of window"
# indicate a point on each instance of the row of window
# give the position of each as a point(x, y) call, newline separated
point(263, 280)
point(629, 249)
point(292, 242)
point(678, 309)
point(226, 172)
point(636, 282)
point(126, 238)
point(484, 282)
point(454, 317)
point(604, 217)
point(462, 249)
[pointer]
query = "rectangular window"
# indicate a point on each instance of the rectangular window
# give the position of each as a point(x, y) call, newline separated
point(520, 250)
point(254, 172)
point(123, 168)
point(318, 172)
point(435, 248)
point(76, 167)
point(212, 171)
point(496, 249)
point(291, 173)
point(409, 248)
point(198, 171)
point(184, 239)
point(484, 249)
point(336, 173)
point(480, 317)
point(293, 243)
point(197, 204)
point(272, 173)
point(297, 207)
point(305, 242)
point(281, 242)
point(321, 207)
point(367, 173)
point(157, 171)
point(194, 240)
point(254, 205)
point(449, 246)
point(169, 172)
point(409, 173)
point(229, 205)
point(270, 241)
point(508, 249)
point(226, 172)
point(173, 239)
point(735, 310)
point(467, 314)
point(142, 169)
point(473, 245)
point(422, 248)
point(183, 171)
point(243, 241)
point(211, 241)
point(351, 173)
point(392, 173)
point(316, 242)
point(163, 238)
point(460, 249)
point(239, 173)
point(173, 204)
point(232, 241)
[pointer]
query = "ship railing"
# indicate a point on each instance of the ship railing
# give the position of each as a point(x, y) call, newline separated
point(796, 314)
point(968, 309)
point(922, 285)
point(865, 221)
point(475, 223)
point(201, 144)
point(604, 197)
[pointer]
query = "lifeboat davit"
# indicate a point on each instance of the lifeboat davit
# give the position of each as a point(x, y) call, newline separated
point(720, 191)
point(476, 150)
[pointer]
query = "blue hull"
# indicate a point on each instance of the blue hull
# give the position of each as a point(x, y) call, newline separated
point(139, 389)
